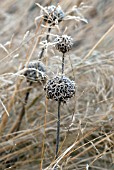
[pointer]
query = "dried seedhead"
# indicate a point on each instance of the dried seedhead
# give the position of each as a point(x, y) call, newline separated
point(35, 72)
point(60, 88)
point(52, 14)
point(63, 43)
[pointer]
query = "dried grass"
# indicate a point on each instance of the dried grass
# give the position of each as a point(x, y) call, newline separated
point(87, 121)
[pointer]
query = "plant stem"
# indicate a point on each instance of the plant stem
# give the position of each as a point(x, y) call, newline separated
point(63, 64)
point(58, 129)
point(17, 123)
point(58, 121)
point(27, 94)
point(47, 37)
point(23, 109)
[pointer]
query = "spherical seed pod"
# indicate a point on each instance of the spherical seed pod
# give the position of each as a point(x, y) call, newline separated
point(60, 88)
point(35, 72)
point(63, 43)
point(52, 14)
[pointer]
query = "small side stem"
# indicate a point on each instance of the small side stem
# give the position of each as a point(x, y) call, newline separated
point(63, 63)
point(47, 38)
point(23, 109)
point(41, 54)
point(27, 94)
point(58, 129)
point(17, 123)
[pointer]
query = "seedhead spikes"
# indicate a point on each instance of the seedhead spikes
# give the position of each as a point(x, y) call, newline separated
point(52, 14)
point(63, 43)
point(35, 72)
point(60, 88)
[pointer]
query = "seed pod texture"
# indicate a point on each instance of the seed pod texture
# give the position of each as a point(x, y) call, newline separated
point(60, 88)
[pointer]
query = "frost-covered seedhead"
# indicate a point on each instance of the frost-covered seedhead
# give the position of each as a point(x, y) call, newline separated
point(60, 89)
point(35, 72)
point(63, 43)
point(52, 14)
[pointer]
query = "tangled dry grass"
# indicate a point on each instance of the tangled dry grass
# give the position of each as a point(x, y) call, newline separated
point(87, 120)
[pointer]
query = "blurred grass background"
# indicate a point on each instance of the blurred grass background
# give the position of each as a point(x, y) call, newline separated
point(90, 133)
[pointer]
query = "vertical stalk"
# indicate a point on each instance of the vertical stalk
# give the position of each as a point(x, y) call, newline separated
point(63, 64)
point(47, 37)
point(27, 94)
point(58, 121)
point(58, 129)
point(17, 123)
point(23, 108)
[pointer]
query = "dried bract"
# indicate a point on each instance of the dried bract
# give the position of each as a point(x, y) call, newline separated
point(52, 14)
point(60, 88)
point(35, 72)
point(63, 43)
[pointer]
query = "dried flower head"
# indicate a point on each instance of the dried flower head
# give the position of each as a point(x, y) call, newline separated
point(35, 72)
point(60, 88)
point(63, 43)
point(52, 14)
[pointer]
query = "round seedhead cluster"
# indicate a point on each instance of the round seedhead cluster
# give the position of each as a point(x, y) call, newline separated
point(60, 88)
point(35, 72)
point(52, 14)
point(63, 43)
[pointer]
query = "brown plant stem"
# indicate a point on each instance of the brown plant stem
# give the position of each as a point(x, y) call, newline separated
point(58, 129)
point(58, 132)
point(58, 121)
point(47, 37)
point(63, 64)
point(17, 123)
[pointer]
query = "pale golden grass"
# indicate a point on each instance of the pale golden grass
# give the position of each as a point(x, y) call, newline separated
point(87, 120)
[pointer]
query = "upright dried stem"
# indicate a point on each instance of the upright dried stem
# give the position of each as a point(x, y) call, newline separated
point(16, 125)
point(63, 63)
point(58, 121)
point(58, 129)
point(47, 37)
point(27, 94)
